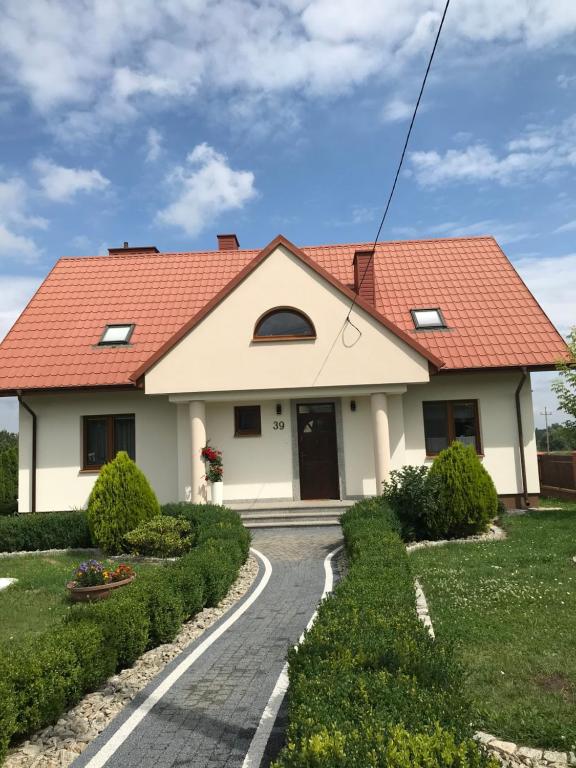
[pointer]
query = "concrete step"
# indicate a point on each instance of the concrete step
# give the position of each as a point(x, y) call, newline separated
point(286, 514)
point(287, 523)
point(336, 506)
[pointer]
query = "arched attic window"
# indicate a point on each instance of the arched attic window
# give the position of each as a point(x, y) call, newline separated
point(284, 324)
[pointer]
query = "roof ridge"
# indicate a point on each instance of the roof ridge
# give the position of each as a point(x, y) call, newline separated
point(257, 250)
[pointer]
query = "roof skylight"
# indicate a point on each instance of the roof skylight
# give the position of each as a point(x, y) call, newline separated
point(427, 318)
point(117, 334)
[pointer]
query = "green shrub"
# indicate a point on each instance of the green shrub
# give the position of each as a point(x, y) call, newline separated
point(414, 498)
point(45, 530)
point(44, 679)
point(124, 620)
point(212, 522)
point(43, 675)
point(368, 686)
point(8, 715)
point(97, 660)
point(467, 498)
point(160, 592)
point(120, 501)
point(162, 536)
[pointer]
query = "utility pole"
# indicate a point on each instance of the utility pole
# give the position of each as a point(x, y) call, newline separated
point(546, 413)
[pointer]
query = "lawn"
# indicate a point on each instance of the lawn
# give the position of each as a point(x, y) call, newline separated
point(39, 598)
point(510, 606)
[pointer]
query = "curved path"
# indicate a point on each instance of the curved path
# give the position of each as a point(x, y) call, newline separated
point(204, 708)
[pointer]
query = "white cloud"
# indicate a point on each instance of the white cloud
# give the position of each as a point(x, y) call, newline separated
point(570, 226)
point(396, 110)
point(539, 152)
point(504, 233)
point(552, 280)
point(15, 220)
point(60, 184)
point(16, 291)
point(109, 61)
point(553, 283)
point(153, 145)
point(203, 188)
point(566, 81)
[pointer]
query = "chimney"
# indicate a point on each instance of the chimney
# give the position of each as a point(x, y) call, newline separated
point(364, 273)
point(228, 243)
point(133, 249)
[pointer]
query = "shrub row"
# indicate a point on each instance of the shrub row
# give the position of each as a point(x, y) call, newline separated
point(44, 530)
point(43, 675)
point(368, 686)
point(455, 497)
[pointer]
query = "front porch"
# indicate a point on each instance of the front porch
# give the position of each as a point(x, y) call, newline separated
point(299, 451)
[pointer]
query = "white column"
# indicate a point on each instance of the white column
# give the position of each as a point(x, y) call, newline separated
point(197, 412)
point(380, 433)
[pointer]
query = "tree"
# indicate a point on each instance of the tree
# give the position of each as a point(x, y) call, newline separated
point(565, 385)
point(8, 472)
point(562, 438)
point(120, 501)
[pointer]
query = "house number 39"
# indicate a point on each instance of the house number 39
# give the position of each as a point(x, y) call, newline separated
point(278, 425)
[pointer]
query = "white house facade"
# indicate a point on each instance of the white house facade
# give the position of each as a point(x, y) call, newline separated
point(302, 380)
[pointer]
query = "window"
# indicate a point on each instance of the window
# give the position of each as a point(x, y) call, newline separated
point(104, 436)
point(116, 334)
point(284, 324)
point(449, 420)
point(426, 319)
point(247, 421)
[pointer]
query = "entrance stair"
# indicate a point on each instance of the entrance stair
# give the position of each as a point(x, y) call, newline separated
point(290, 514)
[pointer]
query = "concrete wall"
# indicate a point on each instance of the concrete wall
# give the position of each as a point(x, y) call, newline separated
point(265, 467)
point(498, 426)
point(61, 484)
point(219, 354)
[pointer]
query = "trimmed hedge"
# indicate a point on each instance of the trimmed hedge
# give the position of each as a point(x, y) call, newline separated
point(368, 686)
point(44, 530)
point(43, 675)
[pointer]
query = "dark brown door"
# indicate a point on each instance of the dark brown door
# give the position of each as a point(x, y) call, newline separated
point(317, 451)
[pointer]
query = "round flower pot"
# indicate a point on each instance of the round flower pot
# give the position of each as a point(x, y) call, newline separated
point(218, 493)
point(98, 592)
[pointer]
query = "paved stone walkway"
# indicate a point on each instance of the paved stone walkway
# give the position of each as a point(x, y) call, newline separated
point(209, 716)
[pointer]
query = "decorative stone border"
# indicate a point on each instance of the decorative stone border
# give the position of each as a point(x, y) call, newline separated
point(59, 745)
point(23, 552)
point(509, 754)
point(494, 533)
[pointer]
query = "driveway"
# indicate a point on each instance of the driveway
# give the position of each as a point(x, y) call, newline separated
point(207, 715)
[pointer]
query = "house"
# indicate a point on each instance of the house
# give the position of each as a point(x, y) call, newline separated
point(258, 353)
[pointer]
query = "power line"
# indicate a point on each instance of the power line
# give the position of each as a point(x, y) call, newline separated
point(393, 189)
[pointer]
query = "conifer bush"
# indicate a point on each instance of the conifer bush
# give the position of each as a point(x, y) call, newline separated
point(466, 496)
point(121, 500)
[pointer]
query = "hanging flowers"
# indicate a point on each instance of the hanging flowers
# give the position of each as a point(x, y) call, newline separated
point(214, 460)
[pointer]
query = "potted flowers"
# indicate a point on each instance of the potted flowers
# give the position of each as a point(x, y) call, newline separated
point(214, 473)
point(94, 580)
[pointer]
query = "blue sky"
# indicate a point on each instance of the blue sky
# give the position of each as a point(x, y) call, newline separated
point(164, 123)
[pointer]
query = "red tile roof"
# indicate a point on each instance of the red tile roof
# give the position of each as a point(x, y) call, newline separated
point(493, 319)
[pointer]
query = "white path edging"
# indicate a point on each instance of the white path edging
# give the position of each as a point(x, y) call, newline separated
point(509, 754)
point(260, 739)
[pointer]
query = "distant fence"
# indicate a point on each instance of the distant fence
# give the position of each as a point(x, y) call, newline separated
point(557, 473)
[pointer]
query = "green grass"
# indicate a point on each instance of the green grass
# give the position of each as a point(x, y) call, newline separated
point(39, 598)
point(510, 607)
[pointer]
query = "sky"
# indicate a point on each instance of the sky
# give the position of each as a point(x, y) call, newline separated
point(163, 123)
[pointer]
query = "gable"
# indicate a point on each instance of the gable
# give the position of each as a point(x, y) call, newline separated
point(218, 354)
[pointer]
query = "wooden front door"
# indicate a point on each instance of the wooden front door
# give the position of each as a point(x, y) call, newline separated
point(317, 451)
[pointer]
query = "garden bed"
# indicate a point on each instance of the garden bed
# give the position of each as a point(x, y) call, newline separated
point(38, 600)
point(510, 607)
